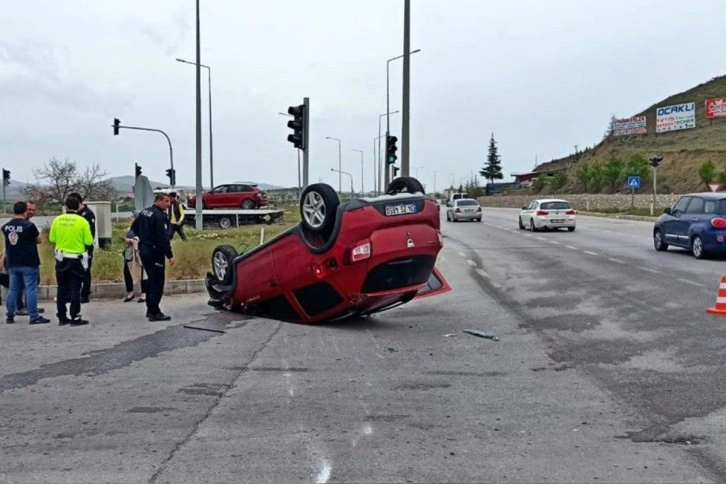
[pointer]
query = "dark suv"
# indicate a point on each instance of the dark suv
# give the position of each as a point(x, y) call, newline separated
point(233, 195)
point(697, 221)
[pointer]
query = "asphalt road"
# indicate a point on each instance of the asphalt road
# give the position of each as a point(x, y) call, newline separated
point(607, 369)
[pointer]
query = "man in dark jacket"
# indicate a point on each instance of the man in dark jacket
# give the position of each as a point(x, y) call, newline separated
point(88, 214)
point(152, 229)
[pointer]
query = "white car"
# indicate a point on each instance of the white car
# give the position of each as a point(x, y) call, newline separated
point(463, 209)
point(548, 213)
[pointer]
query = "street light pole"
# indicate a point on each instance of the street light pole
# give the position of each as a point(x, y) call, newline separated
point(211, 141)
point(435, 172)
point(362, 190)
point(352, 191)
point(405, 148)
point(198, 187)
point(340, 164)
point(388, 99)
point(377, 164)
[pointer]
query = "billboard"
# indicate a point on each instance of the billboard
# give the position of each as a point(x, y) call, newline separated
point(635, 125)
point(673, 118)
point(716, 108)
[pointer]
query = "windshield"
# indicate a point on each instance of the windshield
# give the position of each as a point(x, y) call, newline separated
point(555, 206)
point(468, 202)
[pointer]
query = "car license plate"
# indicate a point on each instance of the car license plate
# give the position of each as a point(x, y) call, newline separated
point(401, 209)
point(558, 221)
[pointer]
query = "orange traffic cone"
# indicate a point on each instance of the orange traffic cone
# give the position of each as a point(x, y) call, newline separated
point(720, 306)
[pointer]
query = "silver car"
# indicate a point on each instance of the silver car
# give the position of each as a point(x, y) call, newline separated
point(550, 213)
point(463, 209)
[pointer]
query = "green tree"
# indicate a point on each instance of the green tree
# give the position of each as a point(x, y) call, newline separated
point(539, 183)
point(707, 172)
point(595, 178)
point(612, 173)
point(637, 165)
point(493, 169)
point(559, 180)
point(583, 176)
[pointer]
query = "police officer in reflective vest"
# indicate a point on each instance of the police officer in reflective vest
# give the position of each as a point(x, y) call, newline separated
point(71, 234)
point(88, 214)
point(152, 229)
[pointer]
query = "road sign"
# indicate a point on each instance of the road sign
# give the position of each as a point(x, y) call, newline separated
point(633, 182)
point(714, 186)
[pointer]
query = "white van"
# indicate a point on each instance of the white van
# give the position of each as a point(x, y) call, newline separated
point(456, 196)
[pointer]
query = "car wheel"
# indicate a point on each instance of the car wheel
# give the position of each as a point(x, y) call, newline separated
point(222, 264)
point(248, 204)
point(318, 207)
point(225, 222)
point(570, 229)
point(406, 184)
point(658, 242)
point(697, 247)
point(521, 225)
point(479, 219)
point(531, 226)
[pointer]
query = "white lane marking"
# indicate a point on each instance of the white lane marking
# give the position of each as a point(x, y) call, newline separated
point(618, 261)
point(324, 473)
point(528, 234)
point(540, 238)
point(553, 242)
point(482, 273)
point(571, 247)
point(471, 262)
point(462, 254)
point(588, 252)
point(648, 269)
point(697, 284)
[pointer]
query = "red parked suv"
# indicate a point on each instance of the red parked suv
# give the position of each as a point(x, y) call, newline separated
point(355, 258)
point(233, 195)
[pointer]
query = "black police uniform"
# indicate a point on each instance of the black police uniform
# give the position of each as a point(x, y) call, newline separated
point(151, 227)
point(88, 214)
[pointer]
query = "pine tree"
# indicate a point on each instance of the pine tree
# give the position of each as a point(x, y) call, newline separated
point(493, 169)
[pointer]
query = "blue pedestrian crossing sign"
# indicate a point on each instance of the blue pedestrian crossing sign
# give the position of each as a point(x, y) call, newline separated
point(633, 182)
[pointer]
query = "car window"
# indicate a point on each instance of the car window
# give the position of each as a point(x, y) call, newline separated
point(245, 188)
point(466, 203)
point(555, 206)
point(696, 205)
point(681, 204)
point(222, 189)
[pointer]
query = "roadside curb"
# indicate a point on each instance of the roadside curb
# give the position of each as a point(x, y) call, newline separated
point(643, 218)
point(117, 290)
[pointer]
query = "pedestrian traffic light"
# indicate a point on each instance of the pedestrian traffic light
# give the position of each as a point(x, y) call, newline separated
point(116, 125)
point(298, 126)
point(391, 149)
point(171, 173)
point(138, 170)
point(395, 171)
point(655, 161)
point(6, 177)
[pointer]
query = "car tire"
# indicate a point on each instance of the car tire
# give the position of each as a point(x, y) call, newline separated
point(521, 225)
point(248, 205)
point(531, 226)
point(479, 219)
point(224, 222)
point(318, 208)
point(406, 184)
point(570, 229)
point(223, 264)
point(697, 247)
point(658, 242)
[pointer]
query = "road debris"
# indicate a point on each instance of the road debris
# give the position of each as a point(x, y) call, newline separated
point(205, 329)
point(490, 336)
point(451, 335)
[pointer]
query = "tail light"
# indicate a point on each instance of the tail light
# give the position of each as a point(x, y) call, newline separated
point(458, 210)
point(360, 251)
point(718, 223)
point(570, 212)
point(540, 213)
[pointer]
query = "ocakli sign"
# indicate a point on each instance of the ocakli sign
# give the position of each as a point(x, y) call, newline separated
point(673, 118)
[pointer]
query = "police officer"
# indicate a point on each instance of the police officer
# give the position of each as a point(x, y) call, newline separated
point(88, 214)
point(151, 227)
point(71, 235)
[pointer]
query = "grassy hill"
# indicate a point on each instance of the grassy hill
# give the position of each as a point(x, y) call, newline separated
point(682, 151)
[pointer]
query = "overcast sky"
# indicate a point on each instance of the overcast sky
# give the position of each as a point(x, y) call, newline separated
point(543, 76)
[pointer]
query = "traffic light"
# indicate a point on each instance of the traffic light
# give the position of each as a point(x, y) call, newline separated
point(116, 125)
point(138, 170)
point(655, 161)
point(6, 177)
point(298, 126)
point(395, 171)
point(171, 173)
point(391, 150)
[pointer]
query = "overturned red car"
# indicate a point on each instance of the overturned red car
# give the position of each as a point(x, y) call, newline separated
point(355, 258)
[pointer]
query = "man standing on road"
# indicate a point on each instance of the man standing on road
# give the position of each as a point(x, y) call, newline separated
point(22, 310)
point(71, 235)
point(176, 217)
point(23, 263)
point(88, 214)
point(154, 245)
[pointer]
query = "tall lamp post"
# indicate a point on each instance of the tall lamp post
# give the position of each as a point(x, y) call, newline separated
point(377, 165)
point(198, 130)
point(211, 142)
point(435, 172)
point(362, 190)
point(352, 191)
point(388, 99)
point(340, 164)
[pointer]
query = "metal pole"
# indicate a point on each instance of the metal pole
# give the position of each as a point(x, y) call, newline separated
point(375, 169)
point(211, 150)
point(299, 187)
point(405, 148)
point(198, 188)
point(379, 136)
point(655, 177)
point(306, 141)
point(362, 189)
point(340, 167)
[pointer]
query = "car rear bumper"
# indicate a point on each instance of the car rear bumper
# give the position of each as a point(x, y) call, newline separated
point(550, 224)
point(467, 216)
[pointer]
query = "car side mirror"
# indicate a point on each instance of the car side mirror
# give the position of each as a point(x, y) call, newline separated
point(524, 208)
point(667, 210)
